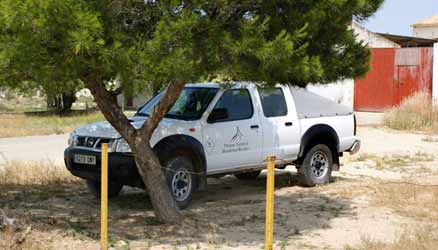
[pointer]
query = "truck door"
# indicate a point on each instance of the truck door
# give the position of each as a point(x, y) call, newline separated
point(280, 124)
point(232, 135)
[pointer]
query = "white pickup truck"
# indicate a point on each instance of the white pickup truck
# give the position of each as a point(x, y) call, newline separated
point(213, 131)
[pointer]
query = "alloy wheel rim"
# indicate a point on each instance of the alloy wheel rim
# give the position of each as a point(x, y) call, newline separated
point(181, 184)
point(319, 164)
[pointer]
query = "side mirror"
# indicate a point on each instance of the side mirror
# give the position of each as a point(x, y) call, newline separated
point(217, 115)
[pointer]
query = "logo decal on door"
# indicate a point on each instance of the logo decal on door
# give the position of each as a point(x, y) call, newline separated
point(236, 144)
point(238, 136)
point(210, 145)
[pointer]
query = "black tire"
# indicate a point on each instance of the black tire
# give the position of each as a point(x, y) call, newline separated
point(181, 180)
point(252, 175)
point(114, 188)
point(317, 166)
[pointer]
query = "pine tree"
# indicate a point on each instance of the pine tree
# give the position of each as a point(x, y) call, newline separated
point(170, 43)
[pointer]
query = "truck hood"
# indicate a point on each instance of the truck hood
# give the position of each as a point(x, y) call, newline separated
point(105, 130)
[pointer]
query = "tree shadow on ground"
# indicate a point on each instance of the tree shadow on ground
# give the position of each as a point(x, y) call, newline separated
point(229, 212)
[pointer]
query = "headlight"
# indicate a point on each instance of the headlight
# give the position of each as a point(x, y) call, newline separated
point(73, 140)
point(122, 146)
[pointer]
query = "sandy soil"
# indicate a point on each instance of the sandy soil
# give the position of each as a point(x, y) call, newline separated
point(230, 215)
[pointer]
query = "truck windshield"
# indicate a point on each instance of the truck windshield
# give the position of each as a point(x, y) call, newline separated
point(190, 105)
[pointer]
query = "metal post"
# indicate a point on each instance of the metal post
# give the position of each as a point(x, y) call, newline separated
point(104, 199)
point(270, 184)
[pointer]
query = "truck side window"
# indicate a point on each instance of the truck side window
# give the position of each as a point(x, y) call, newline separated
point(273, 102)
point(237, 103)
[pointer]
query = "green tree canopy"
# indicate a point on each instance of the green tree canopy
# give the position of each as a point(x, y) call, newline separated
point(170, 43)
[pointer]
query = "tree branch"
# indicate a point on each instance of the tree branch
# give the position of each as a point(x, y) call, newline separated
point(107, 103)
point(117, 91)
point(171, 94)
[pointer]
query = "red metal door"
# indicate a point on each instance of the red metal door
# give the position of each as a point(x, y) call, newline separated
point(394, 75)
point(374, 92)
point(413, 72)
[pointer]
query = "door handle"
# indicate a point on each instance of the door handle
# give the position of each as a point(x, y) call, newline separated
point(254, 126)
point(288, 124)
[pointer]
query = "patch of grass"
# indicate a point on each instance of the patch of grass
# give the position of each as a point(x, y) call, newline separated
point(414, 113)
point(34, 173)
point(79, 232)
point(395, 161)
point(283, 244)
point(12, 102)
point(418, 201)
point(421, 157)
point(152, 221)
point(13, 125)
point(430, 139)
point(422, 238)
point(15, 239)
point(23, 125)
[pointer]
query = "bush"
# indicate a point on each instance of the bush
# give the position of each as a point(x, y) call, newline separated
point(414, 113)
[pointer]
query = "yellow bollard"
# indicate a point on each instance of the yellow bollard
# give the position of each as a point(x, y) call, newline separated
point(104, 199)
point(270, 184)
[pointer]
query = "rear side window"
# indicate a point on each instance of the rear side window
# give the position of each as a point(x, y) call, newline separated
point(273, 102)
point(238, 104)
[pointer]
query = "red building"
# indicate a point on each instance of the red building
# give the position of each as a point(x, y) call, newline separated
point(395, 73)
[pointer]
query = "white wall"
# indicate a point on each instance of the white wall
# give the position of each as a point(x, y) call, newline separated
point(425, 32)
point(341, 92)
point(372, 39)
point(435, 73)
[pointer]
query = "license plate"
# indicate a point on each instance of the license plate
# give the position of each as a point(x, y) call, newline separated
point(85, 159)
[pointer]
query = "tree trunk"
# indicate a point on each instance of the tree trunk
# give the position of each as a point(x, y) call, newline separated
point(152, 174)
point(146, 160)
point(67, 101)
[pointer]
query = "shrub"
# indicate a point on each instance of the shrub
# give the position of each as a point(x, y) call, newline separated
point(414, 113)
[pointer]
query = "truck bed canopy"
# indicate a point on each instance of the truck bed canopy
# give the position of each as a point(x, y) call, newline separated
point(310, 105)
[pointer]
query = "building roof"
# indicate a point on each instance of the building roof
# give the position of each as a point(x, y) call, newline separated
point(428, 22)
point(408, 41)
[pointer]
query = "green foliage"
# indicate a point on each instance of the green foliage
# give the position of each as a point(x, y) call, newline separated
point(54, 43)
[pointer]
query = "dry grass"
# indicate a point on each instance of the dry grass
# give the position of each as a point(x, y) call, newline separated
point(17, 240)
point(22, 125)
point(10, 102)
point(431, 139)
point(33, 173)
point(23, 185)
point(422, 238)
point(410, 199)
point(414, 113)
point(393, 161)
point(418, 201)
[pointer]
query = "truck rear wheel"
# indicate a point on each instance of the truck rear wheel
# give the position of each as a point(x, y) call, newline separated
point(114, 188)
point(181, 180)
point(317, 166)
point(252, 175)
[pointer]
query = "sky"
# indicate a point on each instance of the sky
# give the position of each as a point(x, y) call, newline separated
point(396, 16)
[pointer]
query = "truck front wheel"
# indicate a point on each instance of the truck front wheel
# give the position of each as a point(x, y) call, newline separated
point(317, 166)
point(181, 180)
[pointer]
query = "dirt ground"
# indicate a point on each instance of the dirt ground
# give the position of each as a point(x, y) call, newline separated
point(381, 192)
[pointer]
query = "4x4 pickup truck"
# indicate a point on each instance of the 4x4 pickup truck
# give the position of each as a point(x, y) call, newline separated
point(213, 131)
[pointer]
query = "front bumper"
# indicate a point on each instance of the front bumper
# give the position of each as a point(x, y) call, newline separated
point(121, 166)
point(355, 147)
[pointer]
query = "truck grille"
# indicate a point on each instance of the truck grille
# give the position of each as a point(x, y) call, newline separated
point(93, 142)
